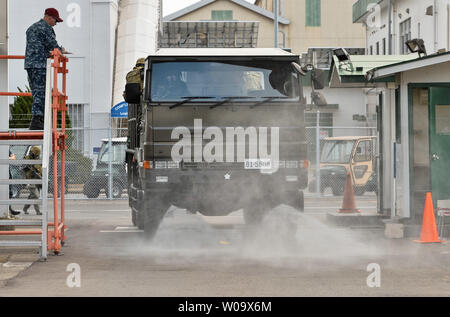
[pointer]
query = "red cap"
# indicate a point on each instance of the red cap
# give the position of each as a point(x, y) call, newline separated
point(53, 13)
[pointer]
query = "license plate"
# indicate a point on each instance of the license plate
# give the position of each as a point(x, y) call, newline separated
point(258, 164)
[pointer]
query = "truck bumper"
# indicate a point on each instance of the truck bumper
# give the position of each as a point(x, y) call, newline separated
point(222, 191)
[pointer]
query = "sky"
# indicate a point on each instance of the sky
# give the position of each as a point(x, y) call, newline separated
point(171, 6)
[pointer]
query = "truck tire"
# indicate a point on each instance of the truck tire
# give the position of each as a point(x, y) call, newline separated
point(153, 215)
point(133, 218)
point(91, 190)
point(301, 201)
point(337, 190)
point(296, 199)
point(254, 215)
point(117, 189)
point(360, 191)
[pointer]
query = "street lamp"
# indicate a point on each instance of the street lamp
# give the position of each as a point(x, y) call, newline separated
point(416, 46)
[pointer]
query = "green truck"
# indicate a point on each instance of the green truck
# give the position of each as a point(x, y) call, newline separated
point(214, 131)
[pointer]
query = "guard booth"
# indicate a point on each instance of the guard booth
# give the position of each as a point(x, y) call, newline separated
point(413, 127)
point(350, 71)
point(422, 123)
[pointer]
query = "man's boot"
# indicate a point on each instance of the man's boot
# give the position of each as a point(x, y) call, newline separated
point(13, 212)
point(25, 210)
point(37, 123)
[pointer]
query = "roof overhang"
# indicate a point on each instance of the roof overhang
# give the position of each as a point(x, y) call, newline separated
point(353, 74)
point(416, 63)
point(241, 3)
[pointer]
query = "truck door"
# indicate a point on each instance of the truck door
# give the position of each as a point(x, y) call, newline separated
point(440, 142)
point(362, 162)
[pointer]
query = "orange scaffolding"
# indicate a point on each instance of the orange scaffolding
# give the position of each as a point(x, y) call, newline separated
point(52, 233)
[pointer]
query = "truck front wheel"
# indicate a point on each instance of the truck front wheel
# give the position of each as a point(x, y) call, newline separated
point(153, 214)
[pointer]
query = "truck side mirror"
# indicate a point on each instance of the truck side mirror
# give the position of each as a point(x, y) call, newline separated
point(298, 69)
point(318, 78)
point(132, 93)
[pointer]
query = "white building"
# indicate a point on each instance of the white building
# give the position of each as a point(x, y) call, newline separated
point(410, 19)
point(415, 95)
point(89, 31)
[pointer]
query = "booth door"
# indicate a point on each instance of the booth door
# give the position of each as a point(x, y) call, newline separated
point(440, 142)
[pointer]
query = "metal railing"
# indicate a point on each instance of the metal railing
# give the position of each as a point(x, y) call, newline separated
point(53, 137)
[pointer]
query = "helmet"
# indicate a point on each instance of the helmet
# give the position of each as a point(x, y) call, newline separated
point(35, 151)
point(140, 62)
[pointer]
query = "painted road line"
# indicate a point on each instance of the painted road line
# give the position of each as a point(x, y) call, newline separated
point(123, 230)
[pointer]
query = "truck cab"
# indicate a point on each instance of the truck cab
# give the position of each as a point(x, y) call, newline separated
point(354, 154)
point(216, 130)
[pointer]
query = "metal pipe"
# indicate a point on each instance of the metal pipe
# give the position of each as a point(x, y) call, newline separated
point(435, 16)
point(19, 233)
point(276, 13)
point(448, 27)
point(390, 27)
point(318, 154)
point(16, 94)
point(12, 57)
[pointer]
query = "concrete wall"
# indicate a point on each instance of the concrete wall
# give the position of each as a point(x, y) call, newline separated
point(336, 30)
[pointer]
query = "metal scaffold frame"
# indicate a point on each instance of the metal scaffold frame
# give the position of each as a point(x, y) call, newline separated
point(54, 139)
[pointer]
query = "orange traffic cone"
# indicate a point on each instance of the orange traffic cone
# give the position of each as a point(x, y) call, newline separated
point(429, 229)
point(349, 204)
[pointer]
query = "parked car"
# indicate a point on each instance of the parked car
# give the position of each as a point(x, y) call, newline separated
point(99, 178)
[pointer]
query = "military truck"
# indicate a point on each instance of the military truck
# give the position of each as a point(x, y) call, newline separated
point(215, 131)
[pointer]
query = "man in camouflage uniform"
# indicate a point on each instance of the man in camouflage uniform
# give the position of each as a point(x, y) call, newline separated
point(33, 172)
point(136, 76)
point(41, 40)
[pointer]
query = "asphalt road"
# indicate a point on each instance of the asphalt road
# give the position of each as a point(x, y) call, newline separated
point(195, 256)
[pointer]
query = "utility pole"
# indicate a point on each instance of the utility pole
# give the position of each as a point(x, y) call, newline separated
point(276, 12)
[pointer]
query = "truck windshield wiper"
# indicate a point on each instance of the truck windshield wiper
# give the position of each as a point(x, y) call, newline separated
point(228, 99)
point(268, 99)
point(188, 99)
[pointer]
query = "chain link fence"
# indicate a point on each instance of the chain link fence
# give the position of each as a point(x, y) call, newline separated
point(96, 168)
point(334, 151)
point(95, 165)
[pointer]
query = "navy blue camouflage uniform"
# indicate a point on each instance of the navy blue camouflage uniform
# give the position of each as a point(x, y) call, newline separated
point(41, 40)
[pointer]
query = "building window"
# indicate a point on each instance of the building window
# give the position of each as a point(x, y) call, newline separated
point(378, 48)
point(405, 35)
point(371, 50)
point(221, 15)
point(313, 13)
point(76, 115)
point(384, 46)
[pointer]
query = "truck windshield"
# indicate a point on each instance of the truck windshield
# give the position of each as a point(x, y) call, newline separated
point(118, 153)
point(177, 81)
point(337, 151)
